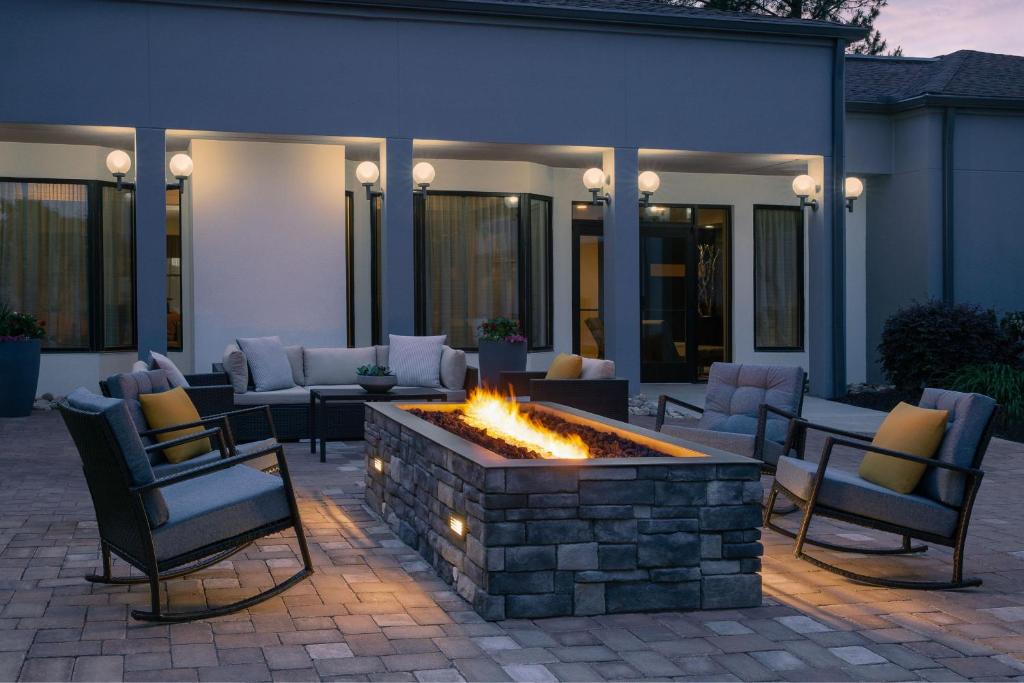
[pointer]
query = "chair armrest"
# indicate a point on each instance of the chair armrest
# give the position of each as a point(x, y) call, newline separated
point(202, 422)
point(188, 438)
point(928, 462)
point(808, 426)
point(204, 470)
point(519, 380)
point(211, 399)
point(208, 379)
point(472, 379)
point(663, 401)
point(793, 433)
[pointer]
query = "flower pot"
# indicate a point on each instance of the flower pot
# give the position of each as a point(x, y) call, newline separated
point(497, 357)
point(377, 384)
point(19, 375)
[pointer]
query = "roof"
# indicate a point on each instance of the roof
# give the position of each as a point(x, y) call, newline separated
point(963, 74)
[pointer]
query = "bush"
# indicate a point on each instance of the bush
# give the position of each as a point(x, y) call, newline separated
point(1001, 381)
point(1013, 326)
point(16, 326)
point(924, 343)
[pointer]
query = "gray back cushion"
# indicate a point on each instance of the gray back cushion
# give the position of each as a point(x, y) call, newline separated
point(968, 416)
point(295, 360)
point(237, 368)
point(268, 363)
point(140, 471)
point(332, 366)
point(736, 391)
point(416, 361)
point(128, 386)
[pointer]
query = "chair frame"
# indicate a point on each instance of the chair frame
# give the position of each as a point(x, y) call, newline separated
point(812, 507)
point(155, 570)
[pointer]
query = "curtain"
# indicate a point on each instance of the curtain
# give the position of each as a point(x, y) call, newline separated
point(118, 298)
point(471, 262)
point(778, 278)
point(44, 257)
point(540, 285)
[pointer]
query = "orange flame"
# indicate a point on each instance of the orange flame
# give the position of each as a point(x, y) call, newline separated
point(502, 419)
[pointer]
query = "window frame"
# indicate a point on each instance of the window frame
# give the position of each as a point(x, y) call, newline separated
point(524, 255)
point(801, 272)
point(94, 265)
point(350, 275)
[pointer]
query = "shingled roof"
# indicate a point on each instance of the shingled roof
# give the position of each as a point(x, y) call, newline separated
point(967, 73)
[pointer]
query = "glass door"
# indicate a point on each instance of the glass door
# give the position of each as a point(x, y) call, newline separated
point(667, 327)
point(587, 281)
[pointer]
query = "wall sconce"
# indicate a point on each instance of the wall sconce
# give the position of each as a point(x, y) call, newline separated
point(422, 175)
point(457, 525)
point(854, 188)
point(378, 464)
point(367, 174)
point(593, 180)
point(181, 168)
point(118, 163)
point(803, 187)
point(648, 182)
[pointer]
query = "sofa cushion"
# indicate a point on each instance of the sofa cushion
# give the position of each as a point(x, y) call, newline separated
point(416, 361)
point(276, 397)
point(174, 375)
point(268, 363)
point(296, 361)
point(453, 368)
point(326, 366)
point(968, 416)
point(237, 368)
point(847, 492)
point(218, 506)
point(597, 368)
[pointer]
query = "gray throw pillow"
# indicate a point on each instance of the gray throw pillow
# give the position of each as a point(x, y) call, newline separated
point(416, 361)
point(174, 375)
point(298, 367)
point(268, 363)
point(453, 368)
point(237, 368)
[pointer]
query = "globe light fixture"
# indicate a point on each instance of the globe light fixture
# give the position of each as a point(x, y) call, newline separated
point(367, 174)
point(118, 163)
point(593, 180)
point(423, 175)
point(648, 182)
point(803, 187)
point(512, 201)
point(181, 168)
point(854, 188)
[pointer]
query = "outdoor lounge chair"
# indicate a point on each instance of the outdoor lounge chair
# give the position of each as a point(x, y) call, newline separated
point(938, 510)
point(181, 523)
point(748, 410)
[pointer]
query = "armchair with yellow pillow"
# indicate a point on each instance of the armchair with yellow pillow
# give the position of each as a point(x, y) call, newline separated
point(918, 479)
point(584, 383)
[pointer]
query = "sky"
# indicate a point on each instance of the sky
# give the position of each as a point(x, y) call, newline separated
point(927, 28)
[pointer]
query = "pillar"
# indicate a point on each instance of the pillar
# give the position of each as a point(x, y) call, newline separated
point(150, 241)
point(622, 265)
point(398, 279)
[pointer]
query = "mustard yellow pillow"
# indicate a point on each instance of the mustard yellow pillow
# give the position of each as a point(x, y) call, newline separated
point(911, 430)
point(169, 408)
point(565, 366)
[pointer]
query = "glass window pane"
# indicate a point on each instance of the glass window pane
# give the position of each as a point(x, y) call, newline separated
point(712, 295)
point(44, 257)
point(175, 336)
point(118, 297)
point(778, 278)
point(540, 271)
point(591, 325)
point(470, 264)
point(658, 213)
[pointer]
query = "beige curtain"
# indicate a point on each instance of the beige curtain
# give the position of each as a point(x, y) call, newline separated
point(118, 257)
point(471, 262)
point(44, 257)
point(778, 278)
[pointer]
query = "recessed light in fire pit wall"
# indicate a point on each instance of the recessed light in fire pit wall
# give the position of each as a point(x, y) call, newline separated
point(457, 525)
point(378, 464)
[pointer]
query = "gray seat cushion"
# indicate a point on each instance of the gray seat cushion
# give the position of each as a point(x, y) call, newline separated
point(847, 492)
point(218, 506)
point(140, 472)
point(281, 396)
point(968, 416)
point(736, 391)
point(740, 444)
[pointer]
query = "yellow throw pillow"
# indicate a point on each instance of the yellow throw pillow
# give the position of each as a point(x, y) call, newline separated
point(565, 366)
point(169, 408)
point(911, 430)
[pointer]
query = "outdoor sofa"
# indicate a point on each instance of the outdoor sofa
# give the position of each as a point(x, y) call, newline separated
point(597, 390)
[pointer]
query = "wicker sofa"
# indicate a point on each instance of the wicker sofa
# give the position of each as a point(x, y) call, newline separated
point(344, 421)
point(597, 390)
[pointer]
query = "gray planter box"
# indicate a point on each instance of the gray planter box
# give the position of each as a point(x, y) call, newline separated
point(497, 357)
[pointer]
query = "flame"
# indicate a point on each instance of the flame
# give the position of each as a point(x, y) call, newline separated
point(502, 419)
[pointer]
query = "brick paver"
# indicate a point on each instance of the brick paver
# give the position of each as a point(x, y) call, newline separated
point(375, 611)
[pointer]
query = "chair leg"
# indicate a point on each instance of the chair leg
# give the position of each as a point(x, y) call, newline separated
point(105, 576)
point(154, 596)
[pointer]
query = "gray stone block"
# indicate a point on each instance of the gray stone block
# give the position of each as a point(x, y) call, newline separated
point(606, 512)
point(751, 472)
point(550, 532)
point(527, 514)
point(731, 591)
point(616, 556)
point(501, 501)
point(588, 599)
point(730, 517)
point(645, 597)
point(577, 556)
point(676, 575)
point(666, 526)
point(683, 494)
point(725, 492)
point(668, 550)
point(609, 576)
point(615, 530)
point(553, 500)
point(540, 480)
point(710, 546)
point(505, 533)
point(490, 607)
point(637, 492)
point(739, 551)
point(538, 606)
point(615, 473)
point(710, 567)
point(529, 558)
point(504, 583)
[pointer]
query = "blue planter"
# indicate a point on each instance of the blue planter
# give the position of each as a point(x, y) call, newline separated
point(19, 376)
point(497, 357)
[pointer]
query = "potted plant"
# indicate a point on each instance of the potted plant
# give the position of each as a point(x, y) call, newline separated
point(376, 379)
point(502, 347)
point(20, 335)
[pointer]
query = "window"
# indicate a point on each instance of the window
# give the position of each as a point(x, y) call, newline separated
point(481, 255)
point(118, 218)
point(778, 278)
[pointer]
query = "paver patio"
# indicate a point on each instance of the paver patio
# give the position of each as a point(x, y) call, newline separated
point(374, 610)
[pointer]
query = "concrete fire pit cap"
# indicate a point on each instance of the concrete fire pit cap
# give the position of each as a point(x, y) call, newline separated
point(686, 453)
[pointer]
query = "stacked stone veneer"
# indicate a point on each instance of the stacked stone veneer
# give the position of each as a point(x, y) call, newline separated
point(554, 538)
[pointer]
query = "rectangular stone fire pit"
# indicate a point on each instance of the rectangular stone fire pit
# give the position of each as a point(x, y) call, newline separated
point(545, 538)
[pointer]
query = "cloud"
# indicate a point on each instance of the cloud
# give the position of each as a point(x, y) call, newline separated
point(927, 28)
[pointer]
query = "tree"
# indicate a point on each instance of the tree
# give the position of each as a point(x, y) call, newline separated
point(856, 12)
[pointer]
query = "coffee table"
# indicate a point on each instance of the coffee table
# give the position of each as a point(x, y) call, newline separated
point(320, 398)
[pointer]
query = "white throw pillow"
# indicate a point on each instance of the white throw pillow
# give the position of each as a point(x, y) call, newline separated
point(453, 368)
point(597, 368)
point(334, 366)
point(237, 368)
point(268, 363)
point(416, 361)
point(174, 375)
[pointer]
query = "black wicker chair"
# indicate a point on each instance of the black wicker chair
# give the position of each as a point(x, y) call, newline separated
point(937, 511)
point(606, 397)
point(175, 525)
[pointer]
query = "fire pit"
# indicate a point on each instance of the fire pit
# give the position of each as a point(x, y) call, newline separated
point(539, 510)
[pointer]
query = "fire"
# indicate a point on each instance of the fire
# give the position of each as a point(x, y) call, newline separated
point(502, 419)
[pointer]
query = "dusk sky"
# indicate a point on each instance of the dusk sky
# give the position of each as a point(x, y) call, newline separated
point(926, 28)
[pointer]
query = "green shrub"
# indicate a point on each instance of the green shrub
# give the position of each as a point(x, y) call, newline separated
point(16, 326)
point(1001, 381)
point(1013, 326)
point(924, 343)
point(372, 371)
